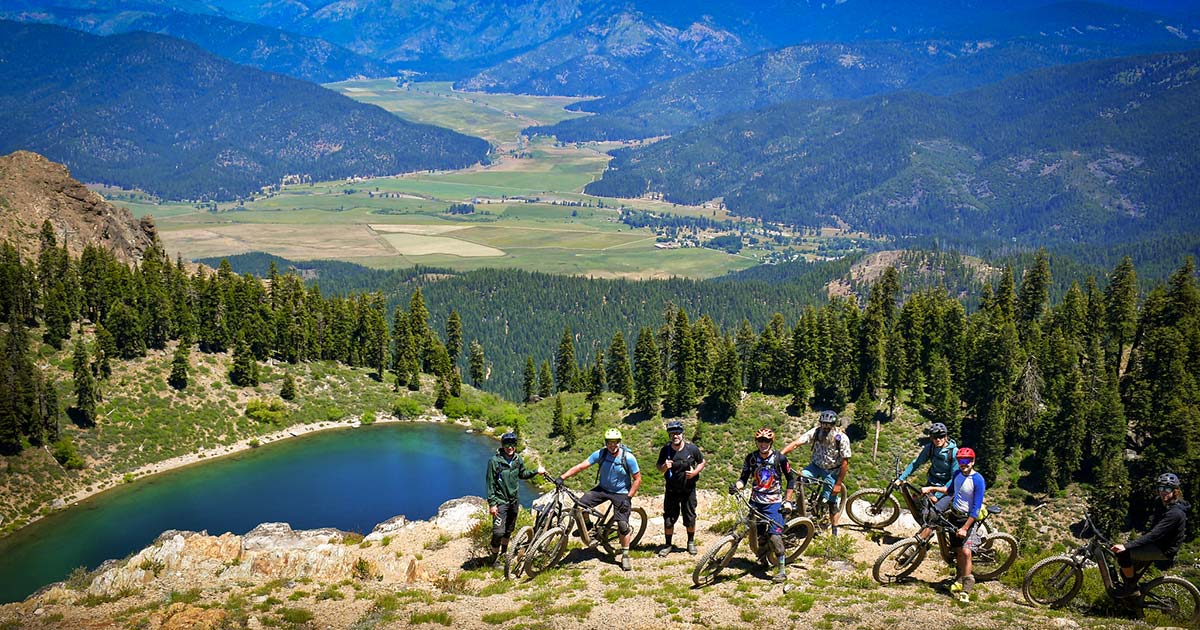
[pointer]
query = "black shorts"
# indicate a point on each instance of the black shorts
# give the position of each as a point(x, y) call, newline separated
point(676, 501)
point(621, 503)
point(505, 520)
point(1138, 556)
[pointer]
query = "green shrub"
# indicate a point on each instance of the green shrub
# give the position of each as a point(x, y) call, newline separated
point(455, 408)
point(436, 616)
point(367, 417)
point(67, 455)
point(269, 411)
point(295, 616)
point(406, 408)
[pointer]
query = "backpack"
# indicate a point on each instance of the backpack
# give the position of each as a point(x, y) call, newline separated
point(624, 463)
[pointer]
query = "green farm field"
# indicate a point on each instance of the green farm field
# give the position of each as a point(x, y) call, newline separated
point(531, 212)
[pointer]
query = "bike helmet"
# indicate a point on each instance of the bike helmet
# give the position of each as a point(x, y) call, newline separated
point(937, 430)
point(508, 438)
point(764, 433)
point(1168, 480)
point(965, 453)
point(828, 417)
point(612, 434)
point(674, 426)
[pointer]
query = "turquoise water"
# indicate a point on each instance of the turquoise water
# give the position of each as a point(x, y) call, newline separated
point(349, 479)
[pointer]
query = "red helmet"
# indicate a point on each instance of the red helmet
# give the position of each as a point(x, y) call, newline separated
point(965, 453)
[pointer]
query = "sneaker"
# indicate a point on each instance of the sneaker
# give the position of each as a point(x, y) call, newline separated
point(963, 597)
point(1125, 590)
point(625, 564)
point(666, 549)
point(499, 562)
point(780, 577)
point(956, 587)
point(692, 548)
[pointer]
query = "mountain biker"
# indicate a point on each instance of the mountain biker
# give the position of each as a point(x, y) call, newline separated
point(504, 470)
point(961, 503)
point(770, 469)
point(1164, 538)
point(618, 481)
point(830, 460)
point(680, 462)
point(940, 451)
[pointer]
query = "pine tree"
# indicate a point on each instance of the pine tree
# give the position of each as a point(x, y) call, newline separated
point(443, 393)
point(596, 379)
point(454, 382)
point(564, 362)
point(1120, 306)
point(1034, 296)
point(288, 390)
point(746, 341)
point(106, 349)
point(244, 372)
point(726, 392)
point(944, 405)
point(404, 361)
point(418, 326)
point(85, 385)
point(478, 364)
point(529, 387)
point(618, 372)
point(646, 373)
point(897, 365)
point(558, 422)
point(568, 432)
point(864, 412)
point(56, 315)
point(872, 339)
point(47, 408)
point(125, 325)
point(681, 390)
point(545, 380)
point(179, 366)
point(454, 335)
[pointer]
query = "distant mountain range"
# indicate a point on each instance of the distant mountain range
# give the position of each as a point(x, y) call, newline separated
point(165, 116)
point(261, 47)
point(599, 47)
point(1099, 152)
point(814, 71)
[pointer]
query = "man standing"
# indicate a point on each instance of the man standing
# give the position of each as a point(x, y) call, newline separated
point(962, 503)
point(830, 461)
point(617, 481)
point(771, 475)
point(504, 471)
point(680, 462)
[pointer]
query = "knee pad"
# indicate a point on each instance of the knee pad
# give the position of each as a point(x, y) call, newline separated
point(623, 528)
point(496, 540)
point(777, 544)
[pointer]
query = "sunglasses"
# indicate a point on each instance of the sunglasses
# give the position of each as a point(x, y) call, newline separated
point(763, 441)
point(1166, 489)
point(965, 462)
point(507, 444)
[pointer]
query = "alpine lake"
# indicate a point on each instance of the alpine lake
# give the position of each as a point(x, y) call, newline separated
point(349, 479)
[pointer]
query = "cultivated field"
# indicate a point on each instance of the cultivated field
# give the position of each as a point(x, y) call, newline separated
point(531, 212)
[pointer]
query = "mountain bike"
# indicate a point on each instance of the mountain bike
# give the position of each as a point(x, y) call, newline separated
point(594, 528)
point(549, 514)
point(812, 503)
point(994, 555)
point(797, 533)
point(876, 508)
point(1054, 581)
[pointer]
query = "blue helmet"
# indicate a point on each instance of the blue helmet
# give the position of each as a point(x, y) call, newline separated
point(674, 426)
point(508, 439)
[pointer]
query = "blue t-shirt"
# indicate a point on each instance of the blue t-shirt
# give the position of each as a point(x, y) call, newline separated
point(614, 477)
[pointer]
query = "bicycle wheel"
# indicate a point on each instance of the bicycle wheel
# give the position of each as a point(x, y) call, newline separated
point(545, 551)
point(610, 536)
point(1171, 601)
point(898, 561)
point(995, 555)
point(715, 558)
point(860, 507)
point(797, 533)
point(1052, 581)
point(518, 546)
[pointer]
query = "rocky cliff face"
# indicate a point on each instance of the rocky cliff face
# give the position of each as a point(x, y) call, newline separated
point(33, 189)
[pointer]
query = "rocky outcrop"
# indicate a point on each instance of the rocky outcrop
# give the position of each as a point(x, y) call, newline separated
point(33, 190)
point(179, 560)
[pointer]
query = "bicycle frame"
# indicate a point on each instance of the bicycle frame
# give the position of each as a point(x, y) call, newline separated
point(747, 525)
point(1099, 550)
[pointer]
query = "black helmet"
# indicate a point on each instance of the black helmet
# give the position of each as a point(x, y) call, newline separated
point(674, 426)
point(828, 417)
point(937, 429)
point(1168, 480)
point(509, 438)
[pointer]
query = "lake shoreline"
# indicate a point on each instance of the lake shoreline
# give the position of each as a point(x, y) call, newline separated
point(201, 456)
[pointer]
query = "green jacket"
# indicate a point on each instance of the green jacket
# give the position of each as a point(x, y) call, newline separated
point(503, 478)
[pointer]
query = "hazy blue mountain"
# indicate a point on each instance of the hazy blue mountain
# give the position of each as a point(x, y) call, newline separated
point(163, 115)
point(262, 47)
point(1097, 152)
point(811, 71)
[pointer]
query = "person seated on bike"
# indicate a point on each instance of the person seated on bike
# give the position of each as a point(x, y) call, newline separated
point(680, 462)
point(1162, 542)
point(960, 505)
point(617, 480)
point(504, 471)
point(769, 470)
point(941, 452)
point(830, 460)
